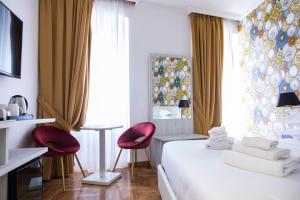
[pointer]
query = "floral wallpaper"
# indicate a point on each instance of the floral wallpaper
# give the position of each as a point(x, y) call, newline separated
point(270, 58)
point(171, 81)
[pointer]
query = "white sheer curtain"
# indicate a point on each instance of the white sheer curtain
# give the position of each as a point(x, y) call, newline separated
point(109, 83)
point(234, 110)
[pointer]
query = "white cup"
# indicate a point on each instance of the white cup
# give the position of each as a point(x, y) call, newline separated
point(8, 113)
point(14, 109)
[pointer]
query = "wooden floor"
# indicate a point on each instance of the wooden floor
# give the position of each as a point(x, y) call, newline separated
point(142, 186)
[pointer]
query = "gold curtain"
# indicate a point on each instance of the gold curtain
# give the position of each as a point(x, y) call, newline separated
point(64, 45)
point(207, 42)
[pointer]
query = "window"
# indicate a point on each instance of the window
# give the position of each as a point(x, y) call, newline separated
point(109, 82)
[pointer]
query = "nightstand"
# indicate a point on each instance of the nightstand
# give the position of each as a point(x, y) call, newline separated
point(158, 142)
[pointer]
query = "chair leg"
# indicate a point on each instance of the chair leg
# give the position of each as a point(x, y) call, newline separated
point(117, 160)
point(62, 172)
point(135, 156)
point(132, 161)
point(149, 160)
point(79, 165)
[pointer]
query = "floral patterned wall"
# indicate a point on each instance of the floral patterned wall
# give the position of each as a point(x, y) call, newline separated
point(270, 58)
point(171, 81)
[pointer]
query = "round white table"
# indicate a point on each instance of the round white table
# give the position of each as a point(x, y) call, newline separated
point(102, 177)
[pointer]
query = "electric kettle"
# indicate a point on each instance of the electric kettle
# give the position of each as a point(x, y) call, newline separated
point(21, 101)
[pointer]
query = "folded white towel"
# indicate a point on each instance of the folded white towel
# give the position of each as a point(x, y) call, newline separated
point(220, 145)
point(273, 154)
point(224, 143)
point(218, 133)
point(217, 129)
point(221, 139)
point(277, 168)
point(259, 142)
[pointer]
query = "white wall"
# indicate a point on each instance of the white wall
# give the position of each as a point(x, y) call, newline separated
point(27, 86)
point(153, 29)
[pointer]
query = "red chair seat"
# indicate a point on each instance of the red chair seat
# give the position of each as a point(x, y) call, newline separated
point(128, 145)
point(59, 142)
point(62, 151)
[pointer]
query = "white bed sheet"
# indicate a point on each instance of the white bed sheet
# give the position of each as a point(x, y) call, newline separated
point(196, 173)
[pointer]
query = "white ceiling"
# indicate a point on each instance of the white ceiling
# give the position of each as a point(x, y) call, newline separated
point(232, 9)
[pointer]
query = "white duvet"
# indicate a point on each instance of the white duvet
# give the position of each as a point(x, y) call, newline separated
point(196, 173)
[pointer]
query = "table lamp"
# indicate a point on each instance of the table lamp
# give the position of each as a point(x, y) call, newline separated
point(288, 99)
point(183, 104)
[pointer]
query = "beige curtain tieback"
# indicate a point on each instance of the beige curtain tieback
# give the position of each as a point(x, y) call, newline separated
point(48, 109)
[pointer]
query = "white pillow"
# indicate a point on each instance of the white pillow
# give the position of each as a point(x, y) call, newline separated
point(159, 112)
point(164, 112)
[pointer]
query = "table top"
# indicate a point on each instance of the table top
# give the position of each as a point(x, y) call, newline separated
point(166, 138)
point(101, 127)
point(14, 123)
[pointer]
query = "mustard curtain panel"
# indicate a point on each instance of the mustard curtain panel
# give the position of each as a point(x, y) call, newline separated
point(64, 43)
point(207, 43)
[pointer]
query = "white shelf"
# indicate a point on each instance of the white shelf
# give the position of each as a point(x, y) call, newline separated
point(101, 127)
point(18, 157)
point(8, 124)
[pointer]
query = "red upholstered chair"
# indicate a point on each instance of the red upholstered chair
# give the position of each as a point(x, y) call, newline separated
point(136, 137)
point(59, 142)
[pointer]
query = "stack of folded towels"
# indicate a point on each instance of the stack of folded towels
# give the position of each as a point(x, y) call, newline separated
point(218, 139)
point(262, 156)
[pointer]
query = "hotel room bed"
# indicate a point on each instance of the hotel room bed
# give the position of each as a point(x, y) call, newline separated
point(189, 171)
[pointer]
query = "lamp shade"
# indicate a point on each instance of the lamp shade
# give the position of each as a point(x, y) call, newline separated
point(183, 104)
point(288, 99)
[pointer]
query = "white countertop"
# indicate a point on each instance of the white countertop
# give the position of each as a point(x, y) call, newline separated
point(13, 123)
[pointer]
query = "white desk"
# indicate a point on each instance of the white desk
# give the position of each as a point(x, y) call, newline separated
point(102, 177)
point(4, 134)
point(11, 159)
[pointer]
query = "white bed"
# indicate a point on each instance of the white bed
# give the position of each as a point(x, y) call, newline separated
point(189, 171)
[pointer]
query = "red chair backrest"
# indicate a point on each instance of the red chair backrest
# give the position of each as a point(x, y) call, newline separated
point(45, 135)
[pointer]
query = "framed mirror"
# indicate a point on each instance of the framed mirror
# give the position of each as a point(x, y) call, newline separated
point(171, 87)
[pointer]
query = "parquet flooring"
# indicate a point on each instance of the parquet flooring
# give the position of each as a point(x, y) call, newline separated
point(142, 186)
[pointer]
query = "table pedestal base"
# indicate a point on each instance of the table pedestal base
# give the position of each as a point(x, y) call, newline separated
point(104, 179)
